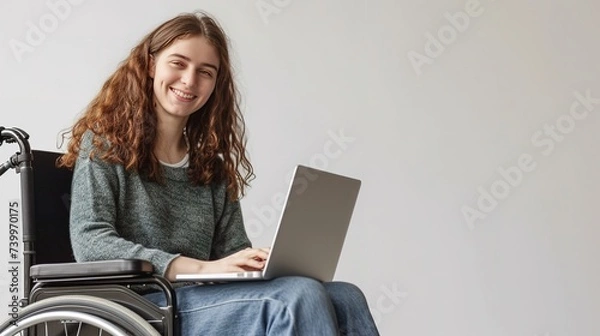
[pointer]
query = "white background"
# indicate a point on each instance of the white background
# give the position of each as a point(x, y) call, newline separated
point(427, 139)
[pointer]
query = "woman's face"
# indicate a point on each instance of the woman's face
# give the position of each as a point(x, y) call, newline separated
point(184, 76)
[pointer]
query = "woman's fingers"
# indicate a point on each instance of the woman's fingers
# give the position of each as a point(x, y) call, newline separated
point(261, 254)
point(256, 264)
point(247, 259)
point(255, 253)
point(251, 257)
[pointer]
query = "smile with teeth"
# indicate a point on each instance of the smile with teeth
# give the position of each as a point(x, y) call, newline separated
point(182, 94)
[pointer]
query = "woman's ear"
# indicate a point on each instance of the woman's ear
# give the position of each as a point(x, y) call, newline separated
point(151, 67)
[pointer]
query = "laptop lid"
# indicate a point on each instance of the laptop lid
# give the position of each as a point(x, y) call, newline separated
point(313, 224)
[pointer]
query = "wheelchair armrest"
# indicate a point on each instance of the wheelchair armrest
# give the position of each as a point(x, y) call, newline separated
point(119, 268)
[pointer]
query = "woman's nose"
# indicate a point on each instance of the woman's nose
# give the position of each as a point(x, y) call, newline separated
point(189, 78)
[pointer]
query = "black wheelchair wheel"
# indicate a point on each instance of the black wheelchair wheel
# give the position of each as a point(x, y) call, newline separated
point(79, 315)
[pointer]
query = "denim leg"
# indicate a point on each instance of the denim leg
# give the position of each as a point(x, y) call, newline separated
point(283, 306)
point(351, 308)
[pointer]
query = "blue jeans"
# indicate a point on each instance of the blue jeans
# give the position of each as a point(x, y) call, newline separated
point(283, 306)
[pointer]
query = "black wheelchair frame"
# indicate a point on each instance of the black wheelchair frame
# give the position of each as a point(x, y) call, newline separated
point(77, 290)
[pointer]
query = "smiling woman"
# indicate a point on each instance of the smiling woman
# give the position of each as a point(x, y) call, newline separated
point(184, 77)
point(160, 164)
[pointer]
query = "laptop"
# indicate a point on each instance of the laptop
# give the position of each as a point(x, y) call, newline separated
point(311, 231)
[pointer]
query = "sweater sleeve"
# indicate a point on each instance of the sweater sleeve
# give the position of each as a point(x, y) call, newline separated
point(230, 234)
point(95, 193)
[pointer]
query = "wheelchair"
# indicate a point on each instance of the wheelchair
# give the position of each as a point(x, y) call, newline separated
point(64, 297)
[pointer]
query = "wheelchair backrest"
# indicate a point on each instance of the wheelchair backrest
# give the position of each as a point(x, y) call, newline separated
point(52, 202)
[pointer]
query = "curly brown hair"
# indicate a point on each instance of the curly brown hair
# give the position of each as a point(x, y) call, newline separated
point(123, 119)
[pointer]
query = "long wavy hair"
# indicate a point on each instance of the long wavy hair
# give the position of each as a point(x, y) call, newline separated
point(123, 119)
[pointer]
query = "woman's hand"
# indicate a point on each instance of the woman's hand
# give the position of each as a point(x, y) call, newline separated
point(249, 259)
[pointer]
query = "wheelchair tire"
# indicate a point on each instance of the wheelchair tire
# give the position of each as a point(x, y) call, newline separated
point(99, 313)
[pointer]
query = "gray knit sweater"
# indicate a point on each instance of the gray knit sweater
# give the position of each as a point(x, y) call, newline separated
point(118, 214)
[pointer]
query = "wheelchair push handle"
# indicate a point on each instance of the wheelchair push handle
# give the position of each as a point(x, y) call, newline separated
point(14, 134)
point(22, 162)
point(23, 157)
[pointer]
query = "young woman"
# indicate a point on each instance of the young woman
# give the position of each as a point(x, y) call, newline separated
point(160, 164)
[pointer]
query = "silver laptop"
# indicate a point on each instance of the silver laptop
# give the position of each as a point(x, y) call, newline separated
point(311, 230)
